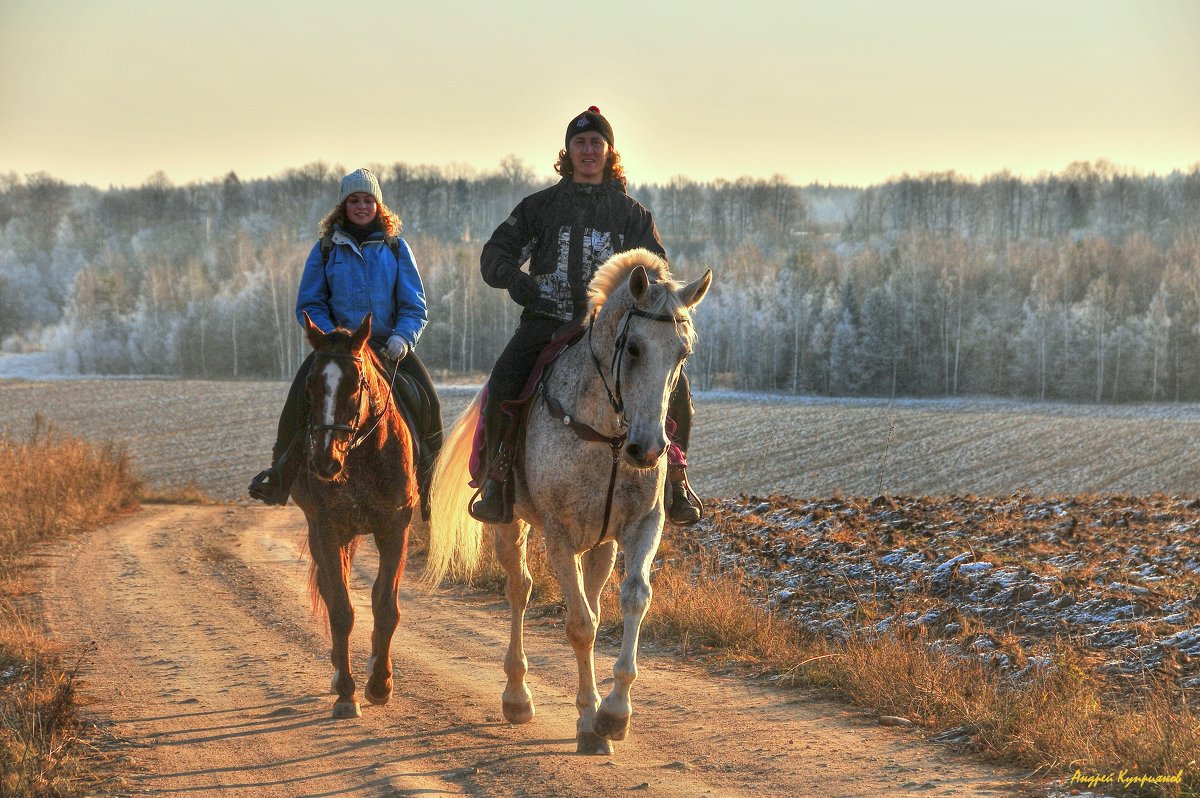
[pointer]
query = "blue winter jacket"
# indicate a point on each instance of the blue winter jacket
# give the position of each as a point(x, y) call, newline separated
point(339, 292)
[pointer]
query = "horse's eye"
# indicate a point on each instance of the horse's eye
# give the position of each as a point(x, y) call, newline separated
point(634, 349)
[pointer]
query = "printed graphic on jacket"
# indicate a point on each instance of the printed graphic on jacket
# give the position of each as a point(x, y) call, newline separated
point(558, 285)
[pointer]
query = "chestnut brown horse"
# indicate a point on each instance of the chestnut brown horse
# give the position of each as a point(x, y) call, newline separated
point(359, 479)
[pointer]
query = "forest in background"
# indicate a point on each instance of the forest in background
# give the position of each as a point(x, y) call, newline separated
point(1077, 286)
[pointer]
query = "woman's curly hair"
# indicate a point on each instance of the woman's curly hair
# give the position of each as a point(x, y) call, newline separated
point(386, 218)
point(613, 169)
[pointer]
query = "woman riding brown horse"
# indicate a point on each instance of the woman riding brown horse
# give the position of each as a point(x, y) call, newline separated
point(358, 479)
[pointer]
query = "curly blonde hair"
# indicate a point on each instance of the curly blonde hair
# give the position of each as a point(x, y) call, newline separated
point(386, 218)
point(613, 169)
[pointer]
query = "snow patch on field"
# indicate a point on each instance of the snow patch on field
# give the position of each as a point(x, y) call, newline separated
point(33, 366)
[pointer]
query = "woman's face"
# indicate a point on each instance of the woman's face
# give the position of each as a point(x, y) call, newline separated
point(589, 155)
point(361, 208)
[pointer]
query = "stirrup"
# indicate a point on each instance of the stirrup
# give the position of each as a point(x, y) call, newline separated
point(485, 510)
point(267, 486)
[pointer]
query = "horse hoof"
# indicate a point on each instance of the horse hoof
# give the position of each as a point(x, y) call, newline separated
point(518, 712)
point(612, 727)
point(346, 709)
point(378, 698)
point(592, 743)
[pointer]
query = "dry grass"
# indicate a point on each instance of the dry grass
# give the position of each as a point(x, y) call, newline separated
point(1060, 719)
point(1056, 721)
point(55, 486)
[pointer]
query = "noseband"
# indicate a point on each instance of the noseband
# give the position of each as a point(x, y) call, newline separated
point(614, 394)
point(352, 429)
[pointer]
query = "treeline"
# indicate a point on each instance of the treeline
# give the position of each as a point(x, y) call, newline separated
point(1080, 286)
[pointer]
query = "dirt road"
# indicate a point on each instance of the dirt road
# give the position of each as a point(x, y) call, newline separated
point(213, 672)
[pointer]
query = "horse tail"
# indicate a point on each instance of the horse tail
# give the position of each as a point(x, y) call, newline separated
point(455, 538)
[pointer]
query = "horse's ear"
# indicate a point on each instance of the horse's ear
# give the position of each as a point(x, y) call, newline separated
point(639, 281)
point(691, 294)
point(315, 336)
point(361, 334)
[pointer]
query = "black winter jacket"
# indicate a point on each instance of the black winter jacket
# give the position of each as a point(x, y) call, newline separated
point(566, 232)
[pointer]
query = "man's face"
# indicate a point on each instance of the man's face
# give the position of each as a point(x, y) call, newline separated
point(589, 155)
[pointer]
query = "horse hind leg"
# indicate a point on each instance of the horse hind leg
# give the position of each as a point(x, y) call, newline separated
point(517, 700)
point(378, 689)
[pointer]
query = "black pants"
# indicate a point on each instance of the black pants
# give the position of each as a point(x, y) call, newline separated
point(516, 362)
point(294, 416)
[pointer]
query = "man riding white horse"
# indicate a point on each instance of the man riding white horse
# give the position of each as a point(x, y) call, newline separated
point(565, 232)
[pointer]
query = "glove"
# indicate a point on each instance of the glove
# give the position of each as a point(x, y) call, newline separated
point(524, 289)
point(396, 348)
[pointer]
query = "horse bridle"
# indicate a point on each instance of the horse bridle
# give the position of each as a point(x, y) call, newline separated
point(355, 439)
point(614, 394)
point(588, 433)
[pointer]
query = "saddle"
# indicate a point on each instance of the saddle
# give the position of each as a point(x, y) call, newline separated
point(416, 408)
point(518, 410)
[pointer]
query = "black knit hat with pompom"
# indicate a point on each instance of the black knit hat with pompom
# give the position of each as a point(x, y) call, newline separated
point(590, 120)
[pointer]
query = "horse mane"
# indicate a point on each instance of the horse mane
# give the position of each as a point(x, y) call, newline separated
point(338, 340)
point(614, 273)
point(612, 278)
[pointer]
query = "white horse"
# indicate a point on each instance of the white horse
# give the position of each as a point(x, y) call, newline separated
point(591, 478)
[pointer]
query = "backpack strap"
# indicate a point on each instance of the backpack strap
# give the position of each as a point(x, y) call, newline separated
point(393, 242)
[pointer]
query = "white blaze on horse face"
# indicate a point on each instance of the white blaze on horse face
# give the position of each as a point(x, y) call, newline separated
point(333, 378)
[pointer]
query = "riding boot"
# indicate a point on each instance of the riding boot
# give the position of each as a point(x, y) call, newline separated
point(426, 454)
point(274, 485)
point(431, 447)
point(494, 505)
point(684, 507)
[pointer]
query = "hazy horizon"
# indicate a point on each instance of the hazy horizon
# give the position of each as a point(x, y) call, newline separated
point(848, 94)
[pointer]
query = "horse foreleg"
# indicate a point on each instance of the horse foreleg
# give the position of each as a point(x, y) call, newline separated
point(517, 701)
point(598, 564)
point(581, 632)
point(612, 719)
point(331, 565)
point(385, 605)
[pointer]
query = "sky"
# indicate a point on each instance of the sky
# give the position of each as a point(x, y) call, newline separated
point(852, 92)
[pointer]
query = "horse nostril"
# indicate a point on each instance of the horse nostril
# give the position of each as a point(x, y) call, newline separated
point(635, 453)
point(640, 456)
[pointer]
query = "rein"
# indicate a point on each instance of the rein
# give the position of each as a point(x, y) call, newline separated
point(614, 396)
point(356, 439)
point(587, 433)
